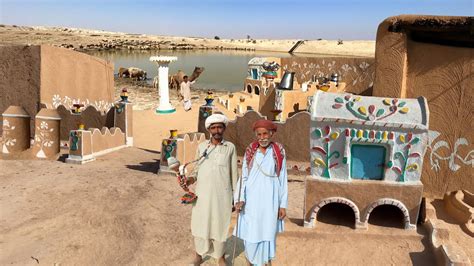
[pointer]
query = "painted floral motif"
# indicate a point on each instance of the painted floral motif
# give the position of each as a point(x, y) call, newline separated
point(326, 154)
point(69, 102)
point(119, 107)
point(43, 138)
point(7, 139)
point(371, 112)
point(168, 148)
point(351, 74)
point(405, 155)
point(453, 157)
point(74, 137)
point(205, 111)
point(278, 100)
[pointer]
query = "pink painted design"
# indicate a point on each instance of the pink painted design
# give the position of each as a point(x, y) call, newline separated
point(332, 165)
point(327, 130)
point(414, 155)
point(391, 135)
point(371, 109)
point(348, 132)
point(336, 105)
point(409, 136)
point(319, 149)
point(397, 169)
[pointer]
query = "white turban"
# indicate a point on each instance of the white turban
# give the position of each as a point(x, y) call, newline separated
point(216, 118)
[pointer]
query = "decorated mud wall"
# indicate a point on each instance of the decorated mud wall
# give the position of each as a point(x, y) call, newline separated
point(90, 117)
point(430, 57)
point(183, 147)
point(85, 145)
point(16, 140)
point(357, 73)
point(45, 76)
point(20, 79)
point(293, 134)
point(69, 77)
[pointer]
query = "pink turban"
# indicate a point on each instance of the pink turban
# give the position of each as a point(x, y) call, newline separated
point(267, 124)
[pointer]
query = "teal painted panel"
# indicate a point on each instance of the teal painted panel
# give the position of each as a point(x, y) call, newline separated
point(367, 161)
point(254, 73)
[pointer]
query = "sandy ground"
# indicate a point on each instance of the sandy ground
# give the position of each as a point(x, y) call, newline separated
point(117, 211)
point(76, 38)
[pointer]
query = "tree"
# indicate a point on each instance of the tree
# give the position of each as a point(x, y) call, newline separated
point(217, 38)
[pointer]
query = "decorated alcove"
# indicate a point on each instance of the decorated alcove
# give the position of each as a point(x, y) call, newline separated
point(366, 144)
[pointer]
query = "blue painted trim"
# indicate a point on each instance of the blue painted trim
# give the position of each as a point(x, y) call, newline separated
point(165, 111)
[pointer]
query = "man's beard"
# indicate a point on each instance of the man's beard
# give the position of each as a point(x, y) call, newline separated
point(264, 142)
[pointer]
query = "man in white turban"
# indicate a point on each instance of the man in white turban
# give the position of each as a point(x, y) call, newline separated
point(215, 181)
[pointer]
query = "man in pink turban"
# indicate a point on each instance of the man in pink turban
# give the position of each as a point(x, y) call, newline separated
point(263, 197)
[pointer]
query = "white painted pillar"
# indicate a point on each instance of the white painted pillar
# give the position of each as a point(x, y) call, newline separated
point(163, 62)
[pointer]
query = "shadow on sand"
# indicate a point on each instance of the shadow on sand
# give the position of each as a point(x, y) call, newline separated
point(150, 167)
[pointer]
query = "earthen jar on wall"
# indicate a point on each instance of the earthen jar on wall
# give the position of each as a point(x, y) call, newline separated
point(16, 130)
point(47, 125)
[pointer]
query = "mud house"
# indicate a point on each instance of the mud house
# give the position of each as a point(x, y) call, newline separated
point(36, 77)
point(366, 152)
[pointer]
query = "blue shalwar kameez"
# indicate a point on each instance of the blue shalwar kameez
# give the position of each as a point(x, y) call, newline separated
point(263, 192)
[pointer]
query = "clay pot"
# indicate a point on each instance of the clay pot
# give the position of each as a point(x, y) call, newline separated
point(173, 133)
point(275, 114)
point(209, 101)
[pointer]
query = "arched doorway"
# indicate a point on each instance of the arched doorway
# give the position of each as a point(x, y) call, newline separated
point(390, 216)
point(257, 90)
point(249, 88)
point(336, 214)
point(387, 216)
point(352, 214)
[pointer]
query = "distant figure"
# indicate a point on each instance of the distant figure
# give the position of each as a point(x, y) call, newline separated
point(185, 91)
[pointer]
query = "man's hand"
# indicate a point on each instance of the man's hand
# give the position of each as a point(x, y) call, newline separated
point(239, 206)
point(281, 213)
point(190, 181)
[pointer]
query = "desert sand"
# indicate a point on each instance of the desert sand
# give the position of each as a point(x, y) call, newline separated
point(84, 40)
point(117, 211)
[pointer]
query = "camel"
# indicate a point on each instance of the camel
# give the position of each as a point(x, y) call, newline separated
point(175, 80)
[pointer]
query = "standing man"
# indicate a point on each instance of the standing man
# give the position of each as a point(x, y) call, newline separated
point(185, 91)
point(263, 199)
point(215, 181)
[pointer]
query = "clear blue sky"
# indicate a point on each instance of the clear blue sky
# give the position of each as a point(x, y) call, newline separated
point(277, 19)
